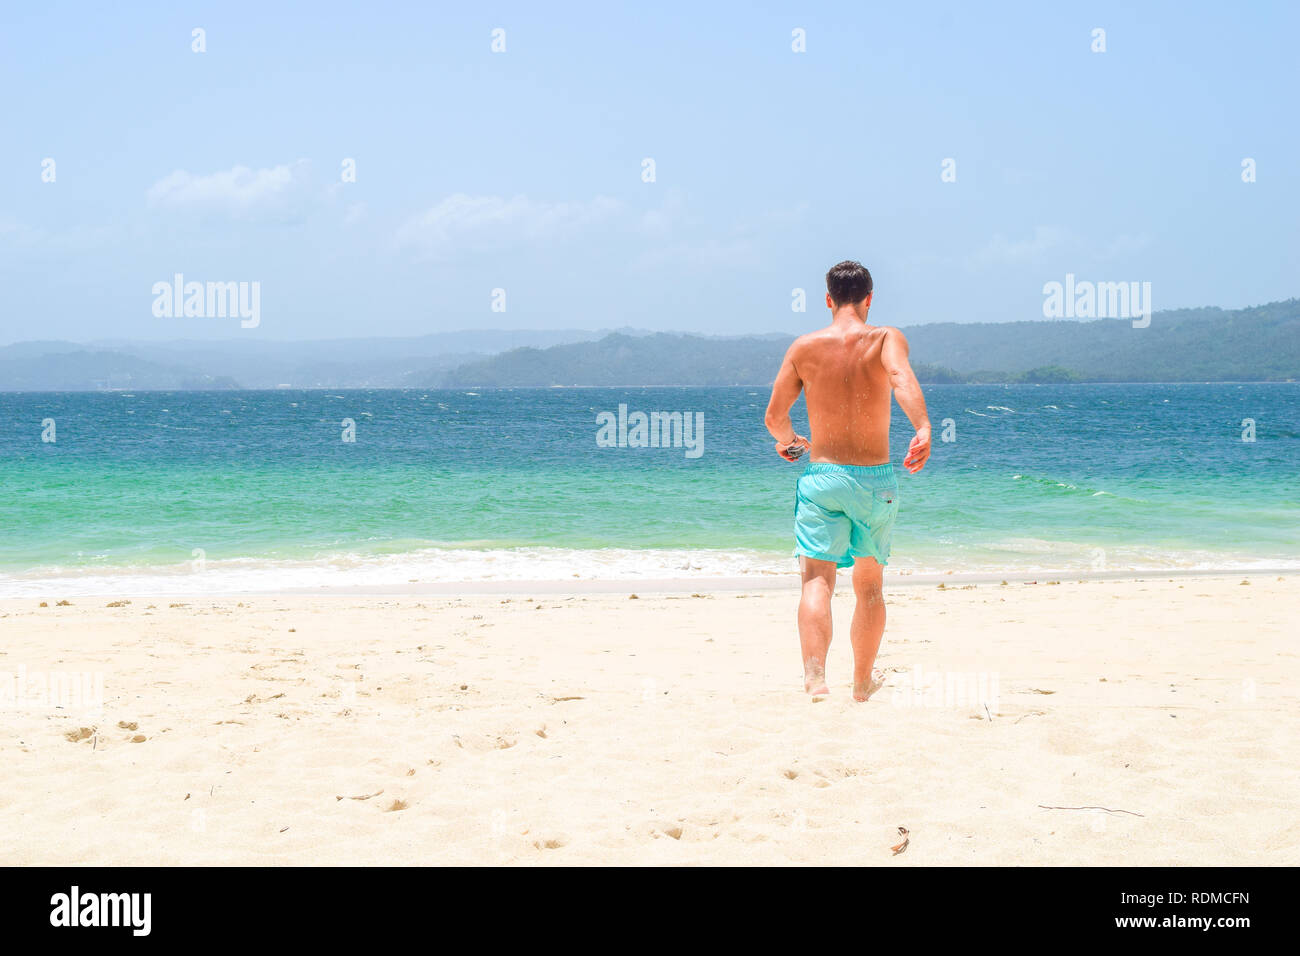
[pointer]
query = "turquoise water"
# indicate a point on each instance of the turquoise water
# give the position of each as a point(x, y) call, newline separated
point(260, 489)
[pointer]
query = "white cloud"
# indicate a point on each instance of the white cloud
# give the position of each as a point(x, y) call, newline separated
point(1124, 247)
point(708, 253)
point(1000, 250)
point(678, 237)
point(1054, 241)
point(240, 192)
point(477, 222)
point(65, 239)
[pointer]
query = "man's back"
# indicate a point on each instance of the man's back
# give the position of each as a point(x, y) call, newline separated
point(847, 390)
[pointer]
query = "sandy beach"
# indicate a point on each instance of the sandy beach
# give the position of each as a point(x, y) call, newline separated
point(1150, 721)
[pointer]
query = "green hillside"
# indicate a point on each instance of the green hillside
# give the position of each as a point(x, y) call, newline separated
point(1191, 345)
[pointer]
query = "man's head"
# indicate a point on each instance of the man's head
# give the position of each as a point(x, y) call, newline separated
point(848, 283)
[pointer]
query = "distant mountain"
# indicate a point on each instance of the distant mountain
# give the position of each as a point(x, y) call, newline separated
point(93, 371)
point(1261, 343)
point(1190, 345)
point(467, 342)
point(257, 363)
point(658, 359)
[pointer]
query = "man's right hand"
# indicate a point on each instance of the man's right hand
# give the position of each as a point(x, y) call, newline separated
point(784, 449)
point(918, 453)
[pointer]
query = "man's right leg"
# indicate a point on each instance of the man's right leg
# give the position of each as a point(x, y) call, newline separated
point(815, 621)
point(868, 624)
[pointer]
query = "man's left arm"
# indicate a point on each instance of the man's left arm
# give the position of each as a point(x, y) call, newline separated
point(785, 392)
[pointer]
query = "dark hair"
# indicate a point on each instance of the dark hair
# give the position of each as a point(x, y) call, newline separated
point(848, 282)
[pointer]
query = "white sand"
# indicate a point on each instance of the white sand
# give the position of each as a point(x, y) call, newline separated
point(669, 729)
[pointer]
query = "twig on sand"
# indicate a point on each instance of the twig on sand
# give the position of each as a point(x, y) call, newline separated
point(365, 796)
point(1107, 809)
point(899, 848)
point(986, 710)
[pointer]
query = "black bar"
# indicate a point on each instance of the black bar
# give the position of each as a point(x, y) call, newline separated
point(298, 906)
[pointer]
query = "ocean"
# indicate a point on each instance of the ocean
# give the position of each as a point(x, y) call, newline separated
point(222, 491)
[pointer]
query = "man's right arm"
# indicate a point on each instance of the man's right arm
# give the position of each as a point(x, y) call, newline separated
point(785, 391)
point(893, 356)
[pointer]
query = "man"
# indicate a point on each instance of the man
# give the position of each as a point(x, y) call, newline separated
point(847, 498)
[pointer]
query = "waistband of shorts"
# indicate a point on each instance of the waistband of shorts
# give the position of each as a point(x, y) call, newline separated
point(871, 473)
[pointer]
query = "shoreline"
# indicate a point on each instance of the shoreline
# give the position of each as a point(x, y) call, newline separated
point(671, 585)
point(782, 582)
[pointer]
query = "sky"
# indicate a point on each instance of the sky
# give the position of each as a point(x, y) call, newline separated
point(510, 188)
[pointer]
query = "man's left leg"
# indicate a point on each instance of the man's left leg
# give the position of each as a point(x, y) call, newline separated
point(868, 624)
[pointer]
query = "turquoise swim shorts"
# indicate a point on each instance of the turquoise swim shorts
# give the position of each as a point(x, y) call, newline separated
point(843, 512)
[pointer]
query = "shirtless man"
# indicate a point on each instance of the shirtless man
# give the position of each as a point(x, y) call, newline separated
point(847, 498)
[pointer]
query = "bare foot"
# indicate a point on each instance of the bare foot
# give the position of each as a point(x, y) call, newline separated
point(862, 690)
point(814, 678)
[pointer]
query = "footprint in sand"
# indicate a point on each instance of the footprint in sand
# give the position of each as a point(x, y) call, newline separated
point(486, 742)
point(819, 778)
point(254, 699)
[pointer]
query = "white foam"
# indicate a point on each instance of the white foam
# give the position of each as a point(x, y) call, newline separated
point(583, 568)
point(423, 567)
